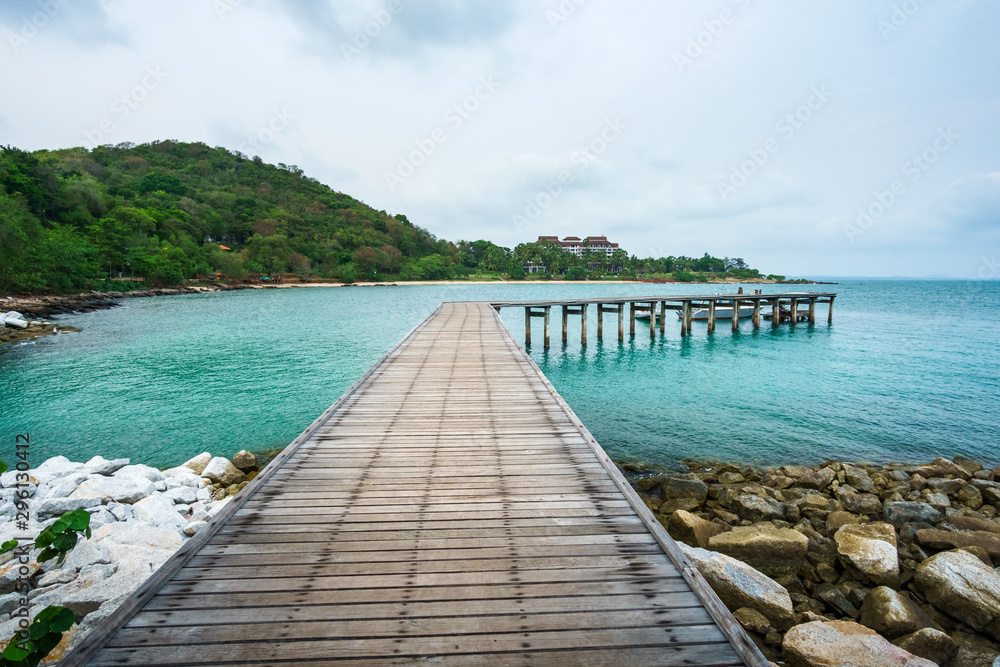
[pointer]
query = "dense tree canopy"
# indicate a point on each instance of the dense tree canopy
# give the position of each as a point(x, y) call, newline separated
point(169, 211)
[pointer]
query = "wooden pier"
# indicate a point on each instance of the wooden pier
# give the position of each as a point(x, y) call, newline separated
point(777, 307)
point(448, 509)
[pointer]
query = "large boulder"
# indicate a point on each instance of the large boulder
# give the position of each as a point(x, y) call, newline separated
point(859, 503)
point(115, 489)
point(940, 468)
point(675, 488)
point(962, 522)
point(756, 509)
point(893, 614)
point(55, 468)
point(962, 586)
point(159, 512)
point(245, 461)
point(55, 507)
point(198, 463)
point(870, 549)
point(691, 529)
point(947, 539)
point(818, 479)
point(774, 551)
point(899, 513)
point(929, 643)
point(101, 466)
point(739, 585)
point(221, 471)
point(140, 471)
point(843, 643)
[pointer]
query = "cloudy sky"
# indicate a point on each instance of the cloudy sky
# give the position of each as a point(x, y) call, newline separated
point(856, 137)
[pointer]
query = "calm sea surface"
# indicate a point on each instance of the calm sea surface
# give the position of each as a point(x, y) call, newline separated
point(907, 371)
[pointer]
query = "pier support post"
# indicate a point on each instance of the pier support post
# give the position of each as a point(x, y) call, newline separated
point(685, 318)
point(663, 317)
point(775, 313)
point(652, 319)
point(829, 315)
point(527, 325)
point(621, 321)
point(812, 311)
point(711, 315)
point(736, 315)
point(756, 314)
point(583, 324)
point(631, 318)
point(547, 309)
point(794, 310)
point(565, 314)
point(600, 321)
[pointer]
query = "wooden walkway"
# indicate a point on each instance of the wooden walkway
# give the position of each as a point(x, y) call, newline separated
point(449, 509)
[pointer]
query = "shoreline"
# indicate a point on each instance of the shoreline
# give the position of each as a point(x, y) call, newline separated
point(904, 554)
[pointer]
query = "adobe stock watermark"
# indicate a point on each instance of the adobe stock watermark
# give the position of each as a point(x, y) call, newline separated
point(914, 168)
point(123, 106)
point(278, 122)
point(787, 126)
point(582, 159)
point(455, 116)
point(562, 12)
point(363, 36)
point(38, 21)
point(899, 17)
point(714, 28)
point(989, 269)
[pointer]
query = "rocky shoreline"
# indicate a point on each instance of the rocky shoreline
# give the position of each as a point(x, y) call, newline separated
point(139, 517)
point(846, 564)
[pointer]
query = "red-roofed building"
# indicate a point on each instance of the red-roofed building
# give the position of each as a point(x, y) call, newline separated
point(576, 246)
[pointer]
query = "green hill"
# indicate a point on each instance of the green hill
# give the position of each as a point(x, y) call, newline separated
point(71, 218)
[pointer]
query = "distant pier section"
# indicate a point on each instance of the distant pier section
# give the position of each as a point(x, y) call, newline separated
point(790, 307)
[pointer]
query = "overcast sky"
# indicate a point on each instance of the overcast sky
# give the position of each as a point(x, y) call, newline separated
point(856, 137)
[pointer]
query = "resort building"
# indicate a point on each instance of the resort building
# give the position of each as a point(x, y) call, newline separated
point(574, 245)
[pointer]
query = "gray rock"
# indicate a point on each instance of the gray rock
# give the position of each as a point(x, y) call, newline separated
point(62, 487)
point(198, 463)
point(160, 486)
point(101, 517)
point(63, 575)
point(753, 620)
point(139, 470)
point(940, 468)
point(962, 522)
point(945, 486)
point(871, 550)
point(968, 465)
point(159, 512)
point(82, 595)
point(101, 466)
point(14, 575)
point(772, 551)
point(739, 585)
point(843, 643)
point(818, 480)
point(182, 494)
point(893, 614)
point(128, 489)
point(947, 539)
point(10, 602)
point(859, 503)
point(204, 494)
point(962, 586)
point(859, 479)
point(970, 496)
point(835, 599)
point(973, 651)
point(221, 471)
point(756, 509)
point(86, 552)
point(199, 514)
point(908, 512)
point(676, 488)
point(938, 501)
point(56, 507)
point(929, 643)
point(182, 476)
point(245, 461)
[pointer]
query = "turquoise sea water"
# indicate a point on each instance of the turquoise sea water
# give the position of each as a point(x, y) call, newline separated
point(907, 371)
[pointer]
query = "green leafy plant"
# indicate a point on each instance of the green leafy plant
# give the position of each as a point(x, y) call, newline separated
point(43, 635)
point(57, 540)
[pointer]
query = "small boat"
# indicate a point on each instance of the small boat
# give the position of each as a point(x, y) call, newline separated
point(721, 313)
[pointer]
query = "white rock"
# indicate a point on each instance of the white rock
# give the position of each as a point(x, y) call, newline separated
point(218, 505)
point(86, 552)
point(221, 470)
point(158, 511)
point(172, 483)
point(12, 572)
point(7, 511)
point(161, 486)
point(13, 494)
point(101, 466)
point(152, 474)
point(115, 489)
point(193, 527)
point(56, 467)
point(200, 514)
point(183, 494)
point(101, 517)
point(871, 549)
point(964, 587)
point(120, 511)
point(119, 537)
point(198, 463)
point(56, 507)
point(845, 643)
point(60, 576)
point(62, 487)
point(82, 595)
point(204, 494)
